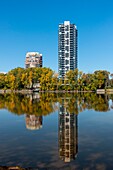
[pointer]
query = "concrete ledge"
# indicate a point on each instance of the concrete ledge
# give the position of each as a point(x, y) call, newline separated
point(100, 91)
point(109, 91)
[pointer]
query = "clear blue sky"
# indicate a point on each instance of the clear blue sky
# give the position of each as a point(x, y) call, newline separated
point(32, 25)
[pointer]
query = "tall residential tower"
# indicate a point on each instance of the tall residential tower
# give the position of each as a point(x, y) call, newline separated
point(67, 48)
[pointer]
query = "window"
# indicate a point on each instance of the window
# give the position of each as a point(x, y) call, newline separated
point(67, 42)
point(67, 48)
point(67, 55)
point(67, 28)
point(67, 62)
point(67, 35)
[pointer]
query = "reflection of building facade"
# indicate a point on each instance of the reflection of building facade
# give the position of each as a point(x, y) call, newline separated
point(33, 122)
point(34, 96)
point(68, 135)
point(33, 59)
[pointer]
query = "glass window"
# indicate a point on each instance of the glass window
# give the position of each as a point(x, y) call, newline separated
point(67, 35)
point(67, 62)
point(67, 55)
point(67, 48)
point(67, 28)
point(67, 42)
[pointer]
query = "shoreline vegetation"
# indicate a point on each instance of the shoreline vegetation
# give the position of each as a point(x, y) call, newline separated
point(46, 80)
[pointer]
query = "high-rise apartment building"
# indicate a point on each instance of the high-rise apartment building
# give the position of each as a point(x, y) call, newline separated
point(33, 59)
point(67, 48)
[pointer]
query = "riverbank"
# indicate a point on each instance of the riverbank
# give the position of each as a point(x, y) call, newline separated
point(16, 91)
point(46, 91)
point(26, 91)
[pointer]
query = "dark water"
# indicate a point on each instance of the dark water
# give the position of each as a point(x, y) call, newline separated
point(57, 131)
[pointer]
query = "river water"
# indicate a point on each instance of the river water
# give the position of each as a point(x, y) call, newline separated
point(57, 131)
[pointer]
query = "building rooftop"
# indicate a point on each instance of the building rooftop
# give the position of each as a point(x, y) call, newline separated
point(28, 54)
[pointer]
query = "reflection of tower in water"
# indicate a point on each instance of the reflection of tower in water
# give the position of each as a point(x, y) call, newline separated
point(33, 122)
point(68, 134)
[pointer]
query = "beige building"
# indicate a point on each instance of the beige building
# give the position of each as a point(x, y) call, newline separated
point(33, 59)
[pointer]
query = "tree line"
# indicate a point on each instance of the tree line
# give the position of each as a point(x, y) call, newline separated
point(20, 78)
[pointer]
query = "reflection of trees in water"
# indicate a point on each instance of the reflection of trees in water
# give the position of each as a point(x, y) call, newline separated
point(46, 103)
point(29, 104)
point(95, 102)
point(80, 101)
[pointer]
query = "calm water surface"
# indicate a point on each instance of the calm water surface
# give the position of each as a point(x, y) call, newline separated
point(57, 131)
